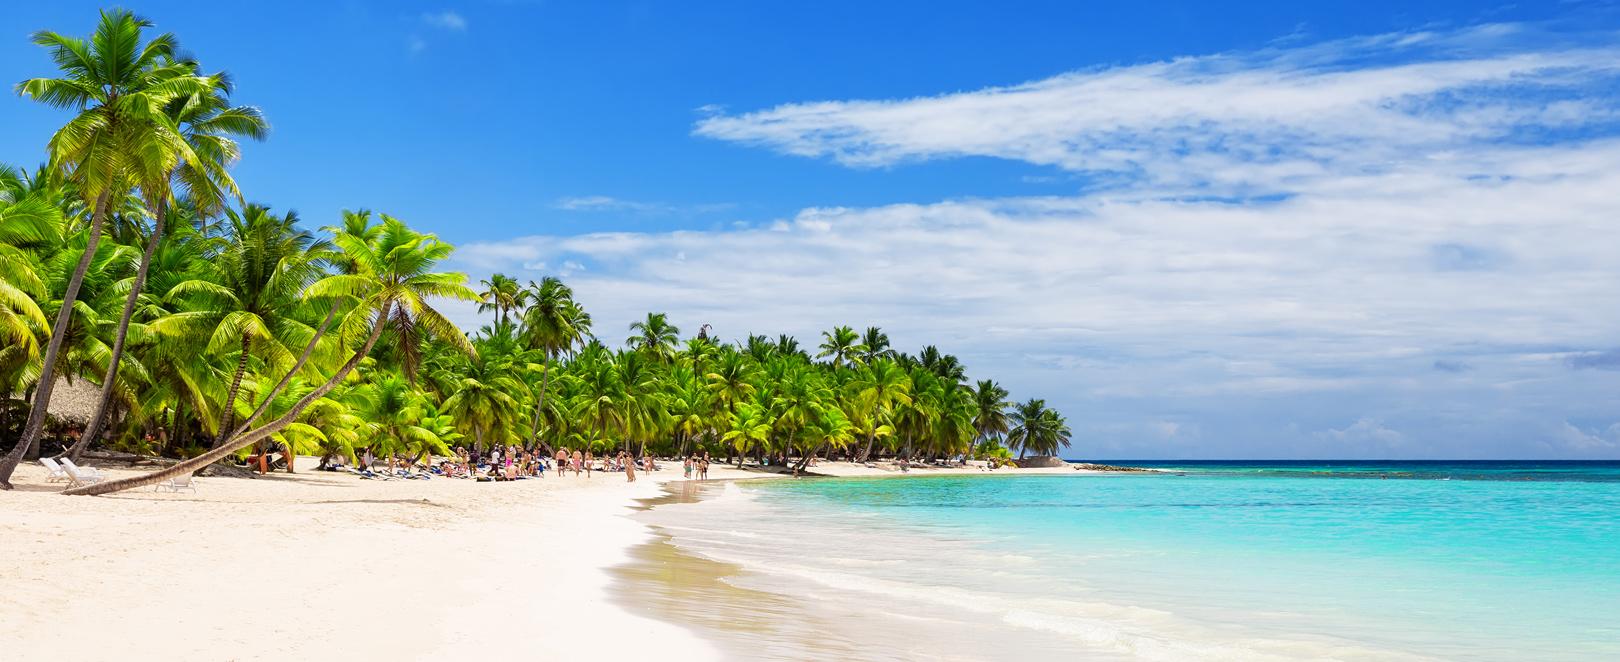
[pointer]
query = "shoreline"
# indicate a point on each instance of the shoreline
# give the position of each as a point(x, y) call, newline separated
point(260, 568)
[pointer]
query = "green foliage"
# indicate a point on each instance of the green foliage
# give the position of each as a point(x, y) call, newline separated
point(244, 317)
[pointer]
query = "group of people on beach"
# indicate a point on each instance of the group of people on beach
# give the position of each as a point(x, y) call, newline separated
point(514, 463)
point(586, 462)
point(697, 464)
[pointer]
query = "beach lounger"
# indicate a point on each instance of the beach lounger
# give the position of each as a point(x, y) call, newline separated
point(57, 474)
point(183, 481)
point(84, 472)
point(78, 479)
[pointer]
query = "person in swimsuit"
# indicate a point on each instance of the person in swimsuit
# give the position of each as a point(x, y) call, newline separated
point(577, 459)
point(588, 458)
point(629, 466)
point(686, 467)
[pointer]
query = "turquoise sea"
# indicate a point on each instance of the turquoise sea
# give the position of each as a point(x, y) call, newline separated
point(1202, 560)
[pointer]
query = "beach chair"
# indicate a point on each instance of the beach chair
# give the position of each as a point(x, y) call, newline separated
point(183, 481)
point(77, 478)
point(84, 472)
point(57, 474)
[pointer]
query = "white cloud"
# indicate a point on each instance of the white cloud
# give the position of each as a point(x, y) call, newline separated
point(1576, 439)
point(1412, 227)
point(1228, 124)
point(1365, 433)
point(445, 20)
point(606, 203)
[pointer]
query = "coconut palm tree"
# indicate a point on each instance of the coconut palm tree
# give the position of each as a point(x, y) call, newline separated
point(29, 218)
point(116, 83)
point(552, 323)
point(990, 410)
point(502, 295)
point(1036, 428)
point(748, 427)
point(875, 345)
point(482, 402)
point(209, 126)
point(842, 344)
point(881, 385)
point(394, 279)
point(654, 335)
point(252, 300)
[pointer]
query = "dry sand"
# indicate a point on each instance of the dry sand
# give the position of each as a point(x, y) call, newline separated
point(322, 565)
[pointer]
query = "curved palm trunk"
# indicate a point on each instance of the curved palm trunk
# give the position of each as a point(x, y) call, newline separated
point(47, 374)
point(291, 372)
point(540, 404)
point(108, 382)
point(248, 439)
point(805, 461)
point(230, 396)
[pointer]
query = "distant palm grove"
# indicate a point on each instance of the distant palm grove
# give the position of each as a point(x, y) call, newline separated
point(213, 328)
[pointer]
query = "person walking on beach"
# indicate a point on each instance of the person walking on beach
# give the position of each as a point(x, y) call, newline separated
point(588, 459)
point(686, 466)
point(703, 467)
point(629, 466)
point(577, 460)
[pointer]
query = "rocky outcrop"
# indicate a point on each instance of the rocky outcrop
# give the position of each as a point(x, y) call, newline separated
point(1087, 466)
point(1041, 462)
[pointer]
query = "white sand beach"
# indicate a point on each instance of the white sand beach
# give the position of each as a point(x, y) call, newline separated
point(321, 565)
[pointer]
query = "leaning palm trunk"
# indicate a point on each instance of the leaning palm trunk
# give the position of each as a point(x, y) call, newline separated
point(47, 373)
point(285, 379)
point(805, 461)
point(540, 404)
point(230, 396)
point(108, 382)
point(248, 439)
point(870, 438)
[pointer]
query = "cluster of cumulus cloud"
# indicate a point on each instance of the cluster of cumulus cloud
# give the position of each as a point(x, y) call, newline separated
point(1396, 245)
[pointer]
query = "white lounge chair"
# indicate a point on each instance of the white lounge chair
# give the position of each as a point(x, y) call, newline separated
point(77, 478)
point(181, 482)
point(84, 472)
point(57, 474)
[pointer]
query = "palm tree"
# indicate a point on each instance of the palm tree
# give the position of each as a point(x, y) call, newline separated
point(393, 280)
point(28, 218)
point(501, 294)
point(840, 344)
point(749, 426)
point(116, 140)
point(552, 323)
point(1036, 428)
point(209, 125)
point(253, 298)
point(482, 400)
point(990, 410)
point(875, 345)
point(654, 335)
point(883, 384)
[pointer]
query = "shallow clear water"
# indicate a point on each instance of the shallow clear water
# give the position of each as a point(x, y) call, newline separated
point(1280, 560)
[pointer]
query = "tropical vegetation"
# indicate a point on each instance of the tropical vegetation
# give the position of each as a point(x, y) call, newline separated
point(214, 328)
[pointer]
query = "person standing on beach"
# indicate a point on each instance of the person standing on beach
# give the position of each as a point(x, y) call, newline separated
point(703, 467)
point(578, 458)
point(588, 459)
point(629, 466)
point(686, 466)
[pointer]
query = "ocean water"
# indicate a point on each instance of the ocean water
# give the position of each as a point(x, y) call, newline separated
point(1204, 560)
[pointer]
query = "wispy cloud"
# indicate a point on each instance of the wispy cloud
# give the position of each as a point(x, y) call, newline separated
point(605, 203)
point(445, 20)
point(1231, 123)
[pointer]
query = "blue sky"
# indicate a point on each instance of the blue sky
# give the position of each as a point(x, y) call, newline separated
point(1336, 229)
